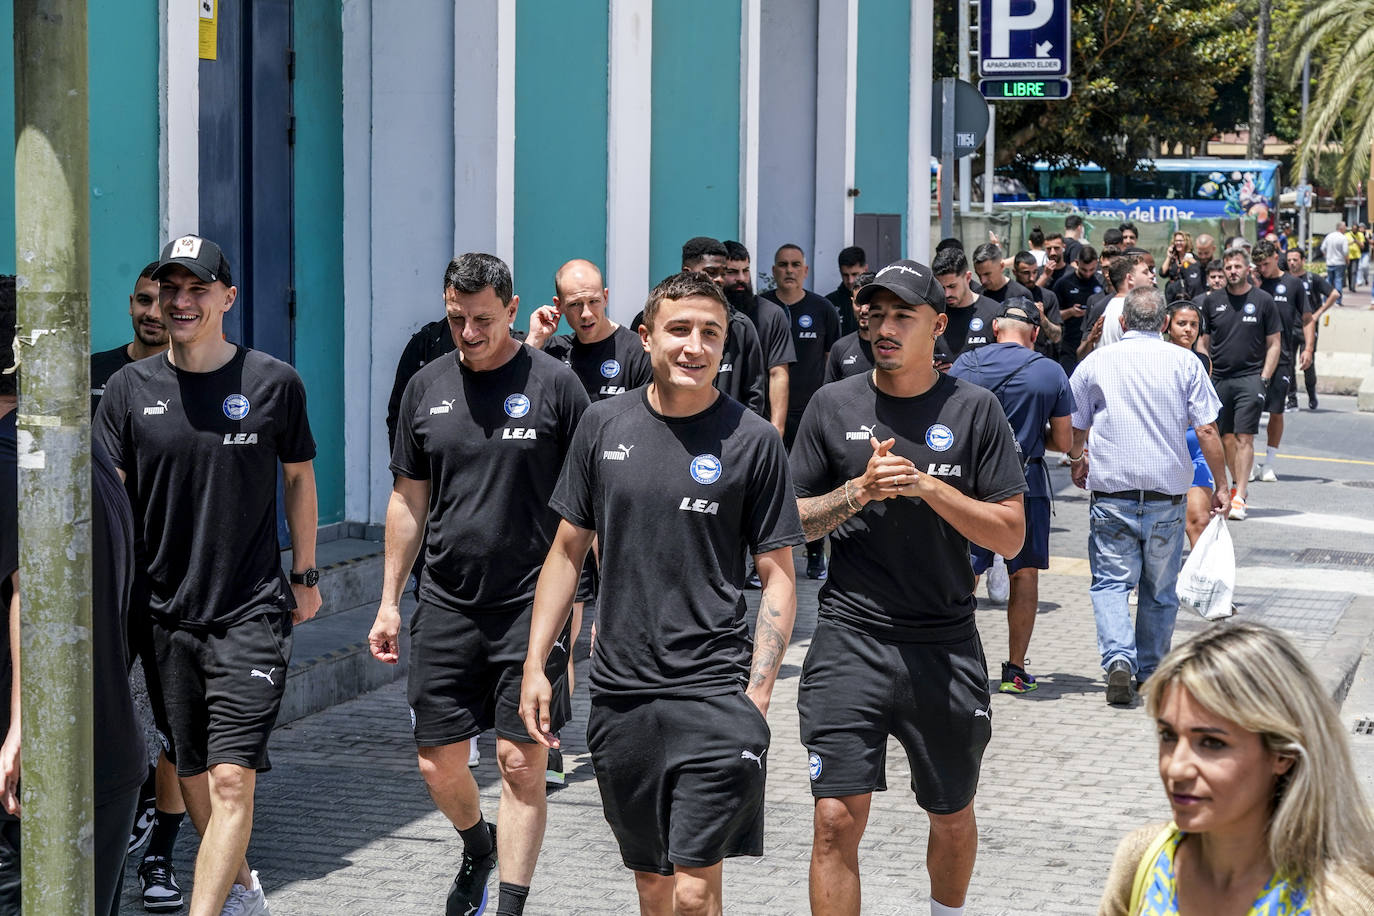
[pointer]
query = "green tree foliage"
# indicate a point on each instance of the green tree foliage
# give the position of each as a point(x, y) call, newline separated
point(1144, 72)
point(1339, 34)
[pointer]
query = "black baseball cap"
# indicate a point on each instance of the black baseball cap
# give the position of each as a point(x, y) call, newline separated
point(1019, 308)
point(201, 257)
point(913, 283)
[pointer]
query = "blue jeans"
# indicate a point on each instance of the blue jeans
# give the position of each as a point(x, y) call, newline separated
point(1135, 542)
point(1336, 277)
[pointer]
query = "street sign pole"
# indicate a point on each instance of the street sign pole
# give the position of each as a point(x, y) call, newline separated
point(989, 162)
point(965, 167)
point(946, 157)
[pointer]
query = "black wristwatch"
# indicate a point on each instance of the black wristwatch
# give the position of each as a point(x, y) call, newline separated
point(310, 578)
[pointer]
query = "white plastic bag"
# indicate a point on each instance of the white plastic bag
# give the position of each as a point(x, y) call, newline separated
point(1207, 582)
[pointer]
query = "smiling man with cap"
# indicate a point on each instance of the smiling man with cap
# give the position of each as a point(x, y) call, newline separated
point(901, 463)
point(197, 433)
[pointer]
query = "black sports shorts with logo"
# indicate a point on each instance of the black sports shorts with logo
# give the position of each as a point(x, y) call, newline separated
point(465, 672)
point(681, 779)
point(222, 688)
point(1276, 395)
point(856, 690)
point(1242, 402)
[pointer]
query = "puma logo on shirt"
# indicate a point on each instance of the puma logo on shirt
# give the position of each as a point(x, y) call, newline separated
point(620, 453)
point(266, 676)
point(863, 434)
point(747, 754)
point(444, 407)
point(158, 410)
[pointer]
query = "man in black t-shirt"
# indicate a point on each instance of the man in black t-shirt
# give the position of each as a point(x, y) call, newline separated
point(198, 433)
point(480, 437)
point(1295, 344)
point(1073, 237)
point(853, 262)
point(1051, 323)
point(1055, 264)
point(150, 335)
point(989, 264)
point(775, 335)
point(674, 474)
point(968, 315)
point(1241, 332)
point(1321, 297)
point(904, 468)
point(815, 328)
point(1075, 289)
point(852, 353)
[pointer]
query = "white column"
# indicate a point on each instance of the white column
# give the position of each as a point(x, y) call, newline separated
point(359, 425)
point(751, 12)
point(178, 120)
point(918, 209)
point(628, 127)
point(484, 128)
point(505, 131)
point(837, 40)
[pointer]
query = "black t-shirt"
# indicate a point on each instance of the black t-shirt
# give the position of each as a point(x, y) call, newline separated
point(843, 301)
point(1318, 288)
point(9, 557)
point(897, 569)
point(1009, 290)
point(676, 502)
point(815, 327)
point(1292, 301)
point(606, 368)
point(1050, 302)
point(103, 365)
point(1194, 279)
point(121, 762)
point(775, 337)
point(967, 328)
point(199, 451)
point(1238, 327)
point(1074, 292)
point(490, 444)
point(1072, 247)
point(851, 355)
point(425, 346)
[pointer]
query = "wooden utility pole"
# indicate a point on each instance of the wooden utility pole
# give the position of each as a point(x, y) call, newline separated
point(1254, 146)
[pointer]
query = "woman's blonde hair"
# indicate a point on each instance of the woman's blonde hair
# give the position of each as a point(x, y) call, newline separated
point(1253, 675)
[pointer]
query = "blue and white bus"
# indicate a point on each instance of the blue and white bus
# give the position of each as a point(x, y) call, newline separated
point(1165, 190)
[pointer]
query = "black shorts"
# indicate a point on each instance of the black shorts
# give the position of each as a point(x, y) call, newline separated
point(223, 689)
point(141, 642)
point(465, 672)
point(681, 778)
point(1035, 552)
point(1242, 401)
point(856, 690)
point(1277, 393)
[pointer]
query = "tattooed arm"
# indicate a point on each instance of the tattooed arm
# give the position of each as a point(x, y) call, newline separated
point(777, 613)
point(884, 478)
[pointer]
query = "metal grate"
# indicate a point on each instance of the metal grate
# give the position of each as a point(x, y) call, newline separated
point(1364, 726)
point(1334, 557)
point(1362, 484)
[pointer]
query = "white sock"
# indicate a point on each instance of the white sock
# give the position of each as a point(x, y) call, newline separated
point(939, 909)
point(1270, 453)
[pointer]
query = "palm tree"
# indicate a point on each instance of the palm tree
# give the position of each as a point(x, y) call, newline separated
point(1339, 35)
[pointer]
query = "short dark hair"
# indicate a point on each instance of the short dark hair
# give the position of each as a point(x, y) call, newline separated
point(781, 248)
point(147, 272)
point(1072, 221)
point(852, 256)
point(9, 380)
point(1264, 249)
point(1120, 268)
point(949, 242)
point(1113, 237)
point(689, 284)
point(1086, 253)
point(1110, 252)
point(475, 271)
point(864, 279)
point(1183, 305)
point(1216, 265)
point(1055, 235)
point(950, 261)
point(699, 247)
point(1023, 257)
point(1036, 237)
point(734, 251)
point(987, 252)
point(1129, 226)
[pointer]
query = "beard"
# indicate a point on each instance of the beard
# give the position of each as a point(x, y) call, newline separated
point(740, 296)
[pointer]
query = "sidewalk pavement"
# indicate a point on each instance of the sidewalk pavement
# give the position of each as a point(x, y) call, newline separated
point(344, 825)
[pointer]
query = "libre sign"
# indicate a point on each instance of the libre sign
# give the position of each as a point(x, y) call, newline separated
point(1024, 89)
point(1023, 39)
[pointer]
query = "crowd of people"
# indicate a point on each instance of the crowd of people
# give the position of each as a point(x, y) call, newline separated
point(897, 428)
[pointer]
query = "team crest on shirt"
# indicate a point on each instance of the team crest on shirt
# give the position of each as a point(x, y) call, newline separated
point(813, 764)
point(705, 469)
point(517, 405)
point(1249, 308)
point(1097, 289)
point(610, 368)
point(976, 324)
point(236, 407)
point(1280, 289)
point(940, 437)
point(805, 321)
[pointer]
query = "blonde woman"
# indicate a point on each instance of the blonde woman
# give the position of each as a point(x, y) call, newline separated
point(1268, 818)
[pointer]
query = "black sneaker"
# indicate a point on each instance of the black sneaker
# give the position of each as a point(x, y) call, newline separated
point(1016, 679)
point(468, 896)
point(815, 567)
point(553, 771)
point(1119, 690)
point(1312, 403)
point(147, 810)
point(1292, 403)
point(161, 893)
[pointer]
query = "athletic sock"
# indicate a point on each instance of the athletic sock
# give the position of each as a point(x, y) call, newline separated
point(1270, 453)
point(512, 899)
point(939, 909)
point(164, 836)
point(477, 840)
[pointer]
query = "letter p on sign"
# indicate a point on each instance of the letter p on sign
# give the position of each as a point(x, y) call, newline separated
point(1004, 22)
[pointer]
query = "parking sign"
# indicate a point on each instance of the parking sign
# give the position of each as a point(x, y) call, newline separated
point(1026, 38)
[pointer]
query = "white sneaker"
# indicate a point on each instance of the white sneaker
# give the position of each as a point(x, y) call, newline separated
point(1255, 470)
point(1268, 476)
point(474, 752)
point(1237, 513)
point(246, 901)
point(999, 583)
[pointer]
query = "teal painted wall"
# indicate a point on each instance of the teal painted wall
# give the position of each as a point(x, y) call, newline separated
point(560, 142)
point(318, 177)
point(123, 159)
point(694, 183)
point(883, 109)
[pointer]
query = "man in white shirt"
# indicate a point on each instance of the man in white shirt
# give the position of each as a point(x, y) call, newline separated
point(1133, 270)
point(1336, 250)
